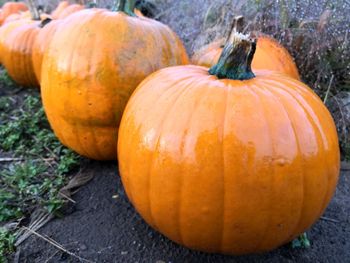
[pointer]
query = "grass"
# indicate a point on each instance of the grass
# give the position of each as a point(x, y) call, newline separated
point(40, 167)
point(7, 241)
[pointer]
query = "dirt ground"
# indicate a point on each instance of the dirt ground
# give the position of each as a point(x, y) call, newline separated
point(102, 226)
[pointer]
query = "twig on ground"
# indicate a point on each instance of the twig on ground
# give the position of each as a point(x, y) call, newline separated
point(54, 254)
point(67, 197)
point(39, 219)
point(57, 245)
point(329, 88)
point(329, 219)
point(3, 160)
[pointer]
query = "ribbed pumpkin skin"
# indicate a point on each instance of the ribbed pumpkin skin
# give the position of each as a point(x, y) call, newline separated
point(93, 64)
point(17, 54)
point(269, 55)
point(227, 166)
point(11, 8)
point(41, 44)
point(70, 10)
point(7, 29)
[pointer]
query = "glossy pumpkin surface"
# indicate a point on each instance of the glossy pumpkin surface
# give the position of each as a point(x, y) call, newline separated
point(17, 53)
point(224, 165)
point(10, 8)
point(269, 55)
point(93, 64)
point(41, 44)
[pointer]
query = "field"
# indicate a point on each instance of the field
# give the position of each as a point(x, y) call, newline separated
point(56, 206)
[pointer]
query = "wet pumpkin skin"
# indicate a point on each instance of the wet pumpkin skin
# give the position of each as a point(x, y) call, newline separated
point(227, 166)
point(41, 44)
point(17, 53)
point(93, 64)
point(269, 55)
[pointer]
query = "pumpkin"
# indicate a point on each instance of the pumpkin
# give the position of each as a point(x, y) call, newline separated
point(24, 15)
point(227, 160)
point(92, 65)
point(6, 29)
point(41, 44)
point(59, 9)
point(269, 55)
point(12, 17)
point(70, 10)
point(10, 8)
point(17, 49)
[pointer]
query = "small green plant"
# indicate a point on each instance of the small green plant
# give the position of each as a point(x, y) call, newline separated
point(5, 80)
point(35, 178)
point(7, 240)
point(301, 242)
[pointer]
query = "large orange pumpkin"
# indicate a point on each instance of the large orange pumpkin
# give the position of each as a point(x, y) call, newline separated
point(17, 54)
point(24, 15)
point(93, 64)
point(16, 51)
point(269, 55)
point(6, 29)
point(10, 8)
point(228, 161)
point(41, 44)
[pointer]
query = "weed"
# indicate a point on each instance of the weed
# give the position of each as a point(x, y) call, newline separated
point(301, 242)
point(7, 240)
point(5, 80)
point(35, 181)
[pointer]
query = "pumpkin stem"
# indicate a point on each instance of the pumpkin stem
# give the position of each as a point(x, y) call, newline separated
point(33, 10)
point(45, 22)
point(92, 4)
point(236, 58)
point(126, 6)
point(236, 26)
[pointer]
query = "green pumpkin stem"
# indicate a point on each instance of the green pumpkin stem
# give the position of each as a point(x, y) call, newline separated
point(33, 10)
point(92, 4)
point(126, 6)
point(236, 59)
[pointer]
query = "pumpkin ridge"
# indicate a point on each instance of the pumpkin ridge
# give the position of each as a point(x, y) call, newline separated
point(32, 35)
point(91, 130)
point(14, 55)
point(47, 60)
point(285, 92)
point(251, 89)
point(135, 98)
point(320, 135)
point(192, 84)
point(142, 28)
point(70, 89)
point(224, 121)
point(152, 161)
point(302, 161)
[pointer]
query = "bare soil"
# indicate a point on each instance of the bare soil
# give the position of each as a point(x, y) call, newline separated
point(102, 226)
